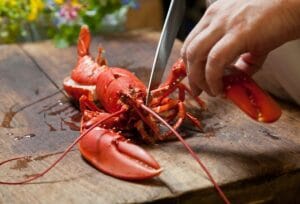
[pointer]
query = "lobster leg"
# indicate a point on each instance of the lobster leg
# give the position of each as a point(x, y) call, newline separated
point(139, 125)
point(165, 91)
point(86, 103)
point(89, 118)
point(181, 114)
point(173, 82)
point(161, 103)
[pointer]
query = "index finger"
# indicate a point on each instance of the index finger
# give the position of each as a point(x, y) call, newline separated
point(222, 54)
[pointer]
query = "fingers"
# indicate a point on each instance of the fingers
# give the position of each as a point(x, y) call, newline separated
point(200, 26)
point(204, 22)
point(210, 53)
point(196, 78)
point(207, 56)
point(196, 55)
point(221, 55)
point(233, 32)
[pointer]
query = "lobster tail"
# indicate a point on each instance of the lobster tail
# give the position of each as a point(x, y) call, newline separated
point(84, 41)
point(84, 76)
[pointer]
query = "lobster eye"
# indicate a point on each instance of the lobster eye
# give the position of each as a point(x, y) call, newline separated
point(117, 76)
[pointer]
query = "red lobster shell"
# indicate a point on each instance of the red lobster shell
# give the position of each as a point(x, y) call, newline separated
point(118, 89)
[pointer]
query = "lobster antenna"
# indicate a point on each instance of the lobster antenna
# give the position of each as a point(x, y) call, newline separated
point(36, 176)
point(193, 154)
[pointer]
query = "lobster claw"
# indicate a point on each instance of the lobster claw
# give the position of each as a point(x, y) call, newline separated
point(250, 98)
point(111, 153)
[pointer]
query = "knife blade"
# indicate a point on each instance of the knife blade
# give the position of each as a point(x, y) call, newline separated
point(170, 29)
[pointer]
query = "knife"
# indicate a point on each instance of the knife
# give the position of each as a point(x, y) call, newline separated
point(170, 29)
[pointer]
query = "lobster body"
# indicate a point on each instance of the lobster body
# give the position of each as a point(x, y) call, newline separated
point(122, 96)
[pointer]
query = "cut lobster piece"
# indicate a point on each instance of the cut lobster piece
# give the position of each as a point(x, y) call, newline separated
point(85, 74)
point(111, 153)
point(87, 69)
point(250, 98)
point(76, 90)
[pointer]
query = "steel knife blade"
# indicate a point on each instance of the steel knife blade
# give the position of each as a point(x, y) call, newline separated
point(169, 32)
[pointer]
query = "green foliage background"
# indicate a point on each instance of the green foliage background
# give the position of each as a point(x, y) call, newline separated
point(31, 20)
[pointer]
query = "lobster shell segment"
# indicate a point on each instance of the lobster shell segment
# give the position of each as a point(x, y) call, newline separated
point(118, 79)
point(249, 97)
point(111, 153)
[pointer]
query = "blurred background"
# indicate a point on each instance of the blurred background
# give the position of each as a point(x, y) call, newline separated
point(60, 20)
point(157, 9)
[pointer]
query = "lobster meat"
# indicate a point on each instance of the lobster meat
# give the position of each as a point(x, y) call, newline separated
point(112, 103)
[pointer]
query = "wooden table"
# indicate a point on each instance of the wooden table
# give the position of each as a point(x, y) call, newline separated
point(252, 162)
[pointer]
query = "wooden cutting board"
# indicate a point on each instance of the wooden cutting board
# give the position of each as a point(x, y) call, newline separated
point(252, 162)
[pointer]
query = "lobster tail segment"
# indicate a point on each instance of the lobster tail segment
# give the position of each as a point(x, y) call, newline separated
point(84, 41)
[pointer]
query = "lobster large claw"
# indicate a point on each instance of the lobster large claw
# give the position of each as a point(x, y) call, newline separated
point(250, 98)
point(111, 153)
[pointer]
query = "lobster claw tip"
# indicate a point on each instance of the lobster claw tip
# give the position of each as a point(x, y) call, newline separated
point(113, 154)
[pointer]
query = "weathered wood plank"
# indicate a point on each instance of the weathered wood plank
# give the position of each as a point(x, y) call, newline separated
point(21, 84)
point(29, 101)
point(234, 148)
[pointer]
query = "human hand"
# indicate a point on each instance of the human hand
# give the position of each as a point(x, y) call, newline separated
point(238, 32)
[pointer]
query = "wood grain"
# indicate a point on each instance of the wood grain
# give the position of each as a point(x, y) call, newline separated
point(245, 157)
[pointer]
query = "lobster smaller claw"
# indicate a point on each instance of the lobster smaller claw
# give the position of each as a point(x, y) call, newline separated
point(250, 98)
point(115, 155)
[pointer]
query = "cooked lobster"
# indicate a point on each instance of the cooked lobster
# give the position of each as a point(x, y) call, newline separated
point(120, 109)
point(117, 89)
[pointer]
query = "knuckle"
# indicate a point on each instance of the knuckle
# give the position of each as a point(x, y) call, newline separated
point(183, 52)
point(211, 10)
point(214, 58)
point(190, 54)
point(194, 54)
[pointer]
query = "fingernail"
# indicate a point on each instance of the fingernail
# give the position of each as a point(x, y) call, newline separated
point(187, 69)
